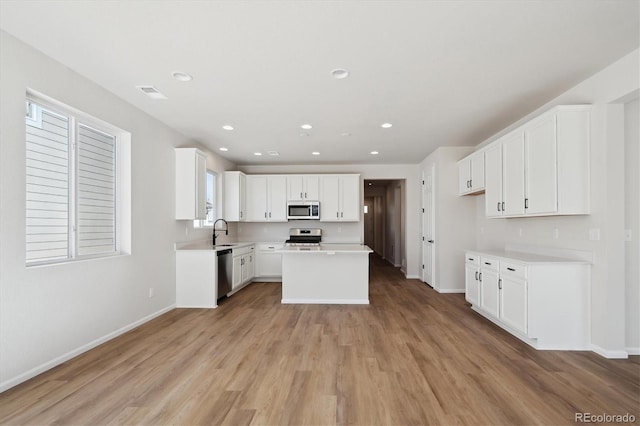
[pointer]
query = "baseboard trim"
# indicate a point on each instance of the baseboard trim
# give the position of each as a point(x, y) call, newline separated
point(326, 301)
point(8, 384)
point(449, 290)
point(608, 353)
point(633, 351)
point(412, 277)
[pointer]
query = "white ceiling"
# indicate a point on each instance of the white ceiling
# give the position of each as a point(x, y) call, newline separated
point(442, 72)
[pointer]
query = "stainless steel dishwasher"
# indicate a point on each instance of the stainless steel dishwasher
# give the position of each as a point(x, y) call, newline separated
point(225, 271)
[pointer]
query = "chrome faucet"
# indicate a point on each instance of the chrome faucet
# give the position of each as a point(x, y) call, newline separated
point(226, 230)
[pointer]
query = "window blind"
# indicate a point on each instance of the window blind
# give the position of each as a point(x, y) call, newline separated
point(96, 202)
point(47, 192)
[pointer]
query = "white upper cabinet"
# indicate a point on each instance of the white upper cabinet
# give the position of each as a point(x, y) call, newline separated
point(493, 181)
point(513, 175)
point(340, 198)
point(235, 196)
point(303, 188)
point(471, 174)
point(266, 198)
point(542, 168)
point(191, 184)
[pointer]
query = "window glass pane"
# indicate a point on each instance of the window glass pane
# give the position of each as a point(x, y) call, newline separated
point(96, 198)
point(47, 191)
point(211, 198)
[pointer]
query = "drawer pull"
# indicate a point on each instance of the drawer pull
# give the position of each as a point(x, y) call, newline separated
point(511, 269)
point(487, 263)
point(470, 258)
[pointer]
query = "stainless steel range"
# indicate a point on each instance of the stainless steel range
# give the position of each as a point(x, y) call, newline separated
point(304, 237)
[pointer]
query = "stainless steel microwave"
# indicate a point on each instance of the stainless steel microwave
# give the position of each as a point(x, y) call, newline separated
point(303, 210)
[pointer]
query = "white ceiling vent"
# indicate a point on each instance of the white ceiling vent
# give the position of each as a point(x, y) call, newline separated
point(152, 92)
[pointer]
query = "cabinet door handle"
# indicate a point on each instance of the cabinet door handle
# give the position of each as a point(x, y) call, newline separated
point(476, 275)
point(470, 183)
point(511, 269)
point(498, 205)
point(480, 277)
point(265, 215)
point(305, 195)
point(341, 214)
point(337, 214)
point(503, 206)
point(240, 214)
point(500, 284)
point(269, 214)
point(301, 195)
point(430, 241)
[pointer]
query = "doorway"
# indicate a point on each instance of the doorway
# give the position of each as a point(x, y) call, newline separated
point(384, 219)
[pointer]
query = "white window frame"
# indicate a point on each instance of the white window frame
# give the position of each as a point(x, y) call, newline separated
point(206, 223)
point(122, 222)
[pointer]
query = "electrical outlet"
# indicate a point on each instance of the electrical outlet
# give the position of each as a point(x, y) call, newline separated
point(150, 292)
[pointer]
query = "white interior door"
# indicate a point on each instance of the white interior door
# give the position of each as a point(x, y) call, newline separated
point(428, 227)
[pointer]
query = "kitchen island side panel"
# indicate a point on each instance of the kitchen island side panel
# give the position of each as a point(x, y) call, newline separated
point(325, 278)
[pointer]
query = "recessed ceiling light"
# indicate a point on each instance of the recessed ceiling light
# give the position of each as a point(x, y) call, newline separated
point(152, 92)
point(386, 125)
point(257, 153)
point(227, 127)
point(340, 73)
point(303, 134)
point(307, 126)
point(181, 76)
point(224, 149)
point(315, 153)
point(370, 184)
point(375, 152)
point(273, 153)
point(345, 134)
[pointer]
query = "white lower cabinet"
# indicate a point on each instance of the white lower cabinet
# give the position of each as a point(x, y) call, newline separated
point(268, 263)
point(472, 279)
point(542, 300)
point(243, 267)
point(490, 286)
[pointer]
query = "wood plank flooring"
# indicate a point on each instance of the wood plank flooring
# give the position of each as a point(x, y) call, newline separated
point(412, 357)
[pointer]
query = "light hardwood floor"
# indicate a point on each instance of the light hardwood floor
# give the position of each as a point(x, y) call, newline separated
point(411, 357)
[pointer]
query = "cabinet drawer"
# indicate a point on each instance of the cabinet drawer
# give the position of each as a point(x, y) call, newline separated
point(269, 247)
point(487, 262)
point(516, 270)
point(472, 259)
point(242, 250)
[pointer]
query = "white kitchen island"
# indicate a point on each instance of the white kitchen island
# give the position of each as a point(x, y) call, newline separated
point(328, 274)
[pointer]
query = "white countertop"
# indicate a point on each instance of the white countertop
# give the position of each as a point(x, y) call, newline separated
point(206, 245)
point(326, 248)
point(526, 257)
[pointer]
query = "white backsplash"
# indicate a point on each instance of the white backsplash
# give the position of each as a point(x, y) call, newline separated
point(344, 232)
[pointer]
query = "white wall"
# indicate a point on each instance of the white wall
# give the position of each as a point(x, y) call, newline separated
point(632, 223)
point(604, 90)
point(409, 172)
point(454, 219)
point(50, 313)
